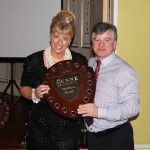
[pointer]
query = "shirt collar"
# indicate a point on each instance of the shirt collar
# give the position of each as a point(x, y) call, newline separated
point(108, 59)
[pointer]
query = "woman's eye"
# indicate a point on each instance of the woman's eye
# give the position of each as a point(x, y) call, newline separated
point(66, 39)
point(55, 36)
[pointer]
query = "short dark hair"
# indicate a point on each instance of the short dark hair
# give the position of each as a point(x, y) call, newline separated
point(101, 27)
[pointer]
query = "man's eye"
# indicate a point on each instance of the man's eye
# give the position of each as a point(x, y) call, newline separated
point(96, 39)
point(107, 40)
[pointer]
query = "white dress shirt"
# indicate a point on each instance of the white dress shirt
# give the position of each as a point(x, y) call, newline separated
point(117, 93)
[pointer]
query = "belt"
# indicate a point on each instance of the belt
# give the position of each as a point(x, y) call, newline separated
point(109, 131)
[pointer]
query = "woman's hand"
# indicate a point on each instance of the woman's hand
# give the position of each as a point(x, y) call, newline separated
point(88, 110)
point(41, 90)
point(26, 91)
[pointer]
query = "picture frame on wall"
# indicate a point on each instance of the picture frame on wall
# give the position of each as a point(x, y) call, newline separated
point(74, 7)
point(85, 23)
point(87, 13)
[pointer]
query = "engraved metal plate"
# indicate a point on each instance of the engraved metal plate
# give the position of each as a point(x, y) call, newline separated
point(71, 83)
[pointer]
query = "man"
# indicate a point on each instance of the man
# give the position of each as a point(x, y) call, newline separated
point(116, 97)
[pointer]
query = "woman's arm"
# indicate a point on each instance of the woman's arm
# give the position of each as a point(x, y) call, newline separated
point(34, 94)
point(26, 92)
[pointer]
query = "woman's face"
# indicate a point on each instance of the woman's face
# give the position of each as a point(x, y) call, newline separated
point(59, 42)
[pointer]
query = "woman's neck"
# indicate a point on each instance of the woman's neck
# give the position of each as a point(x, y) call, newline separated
point(57, 56)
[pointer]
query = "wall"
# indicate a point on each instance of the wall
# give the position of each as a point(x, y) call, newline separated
point(87, 13)
point(133, 46)
point(21, 36)
point(24, 26)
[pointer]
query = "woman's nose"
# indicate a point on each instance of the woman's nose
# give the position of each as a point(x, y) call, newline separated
point(60, 42)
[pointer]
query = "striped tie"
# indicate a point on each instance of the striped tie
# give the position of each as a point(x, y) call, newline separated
point(97, 69)
point(89, 120)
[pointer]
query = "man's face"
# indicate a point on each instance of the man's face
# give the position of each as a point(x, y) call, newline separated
point(103, 44)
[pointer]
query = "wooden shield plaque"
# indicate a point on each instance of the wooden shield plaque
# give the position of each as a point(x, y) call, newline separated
point(4, 113)
point(71, 83)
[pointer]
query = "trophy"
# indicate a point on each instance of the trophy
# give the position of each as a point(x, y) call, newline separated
point(4, 112)
point(72, 83)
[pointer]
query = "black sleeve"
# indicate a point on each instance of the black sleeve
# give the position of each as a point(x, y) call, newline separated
point(80, 57)
point(33, 69)
point(26, 79)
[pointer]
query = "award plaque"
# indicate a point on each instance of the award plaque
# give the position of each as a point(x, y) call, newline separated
point(4, 113)
point(71, 83)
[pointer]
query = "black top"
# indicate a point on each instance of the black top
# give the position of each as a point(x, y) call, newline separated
point(45, 129)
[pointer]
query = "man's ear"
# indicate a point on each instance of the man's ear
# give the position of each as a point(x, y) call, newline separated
point(115, 44)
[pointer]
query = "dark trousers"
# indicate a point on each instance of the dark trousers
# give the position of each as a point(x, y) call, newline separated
point(120, 139)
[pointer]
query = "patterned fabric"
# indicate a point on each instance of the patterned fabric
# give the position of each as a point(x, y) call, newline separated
point(117, 93)
point(97, 69)
point(89, 120)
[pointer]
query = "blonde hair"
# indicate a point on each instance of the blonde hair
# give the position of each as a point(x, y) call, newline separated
point(63, 22)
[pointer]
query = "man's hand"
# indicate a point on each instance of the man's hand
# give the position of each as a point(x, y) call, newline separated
point(88, 110)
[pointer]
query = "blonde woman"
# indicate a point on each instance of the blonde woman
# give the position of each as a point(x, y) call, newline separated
point(45, 129)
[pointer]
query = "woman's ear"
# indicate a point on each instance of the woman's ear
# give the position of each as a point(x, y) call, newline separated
point(50, 38)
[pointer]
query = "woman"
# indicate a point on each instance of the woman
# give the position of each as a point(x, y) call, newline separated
point(45, 129)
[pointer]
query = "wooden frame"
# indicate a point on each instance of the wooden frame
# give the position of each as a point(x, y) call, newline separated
point(87, 13)
point(3, 73)
point(107, 10)
point(85, 23)
point(74, 7)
